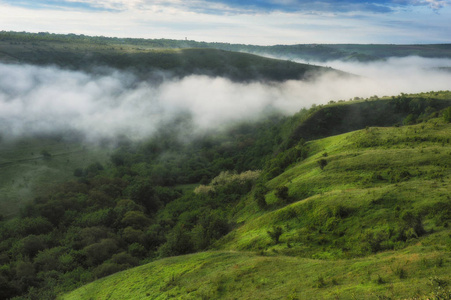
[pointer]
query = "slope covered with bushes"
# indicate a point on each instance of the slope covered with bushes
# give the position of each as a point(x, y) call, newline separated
point(363, 214)
point(251, 199)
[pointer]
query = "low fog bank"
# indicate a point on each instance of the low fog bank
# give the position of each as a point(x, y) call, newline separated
point(411, 74)
point(47, 100)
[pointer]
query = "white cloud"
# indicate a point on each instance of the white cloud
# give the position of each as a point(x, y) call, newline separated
point(171, 19)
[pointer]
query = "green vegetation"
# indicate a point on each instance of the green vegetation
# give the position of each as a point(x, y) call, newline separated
point(244, 275)
point(309, 52)
point(269, 208)
point(30, 166)
point(146, 59)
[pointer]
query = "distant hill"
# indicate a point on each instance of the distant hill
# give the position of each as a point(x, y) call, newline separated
point(147, 60)
point(308, 52)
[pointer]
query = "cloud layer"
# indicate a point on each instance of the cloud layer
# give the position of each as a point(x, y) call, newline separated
point(264, 22)
point(47, 100)
point(237, 6)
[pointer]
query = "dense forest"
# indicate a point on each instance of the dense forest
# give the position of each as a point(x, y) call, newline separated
point(165, 196)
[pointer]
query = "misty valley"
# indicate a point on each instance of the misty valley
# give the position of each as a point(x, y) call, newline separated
point(157, 169)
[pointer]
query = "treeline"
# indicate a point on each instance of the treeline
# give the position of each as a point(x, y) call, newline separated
point(309, 52)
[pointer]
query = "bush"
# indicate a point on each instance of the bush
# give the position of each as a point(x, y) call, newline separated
point(447, 114)
point(259, 196)
point(178, 242)
point(322, 163)
point(275, 234)
point(412, 224)
point(210, 228)
point(282, 193)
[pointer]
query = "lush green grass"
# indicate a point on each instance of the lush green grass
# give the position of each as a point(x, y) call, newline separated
point(363, 182)
point(243, 275)
point(26, 174)
point(341, 230)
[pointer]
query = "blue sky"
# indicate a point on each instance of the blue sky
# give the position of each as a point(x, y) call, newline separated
point(263, 22)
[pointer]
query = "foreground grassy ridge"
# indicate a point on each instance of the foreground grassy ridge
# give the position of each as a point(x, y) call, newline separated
point(25, 173)
point(234, 275)
point(344, 231)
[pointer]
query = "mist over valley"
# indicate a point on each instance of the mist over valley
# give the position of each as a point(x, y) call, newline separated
point(51, 100)
point(188, 170)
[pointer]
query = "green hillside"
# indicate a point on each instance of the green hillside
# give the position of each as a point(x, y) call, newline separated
point(360, 215)
point(145, 60)
point(321, 204)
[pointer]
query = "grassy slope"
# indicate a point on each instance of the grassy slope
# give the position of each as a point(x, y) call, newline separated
point(25, 174)
point(314, 260)
point(238, 275)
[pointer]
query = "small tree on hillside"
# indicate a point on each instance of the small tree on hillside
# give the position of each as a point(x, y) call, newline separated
point(322, 163)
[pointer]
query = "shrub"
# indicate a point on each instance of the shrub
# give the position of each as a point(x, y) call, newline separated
point(210, 228)
point(282, 193)
point(400, 272)
point(260, 195)
point(412, 223)
point(275, 234)
point(178, 242)
point(320, 282)
point(322, 163)
point(373, 240)
point(447, 114)
point(379, 280)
